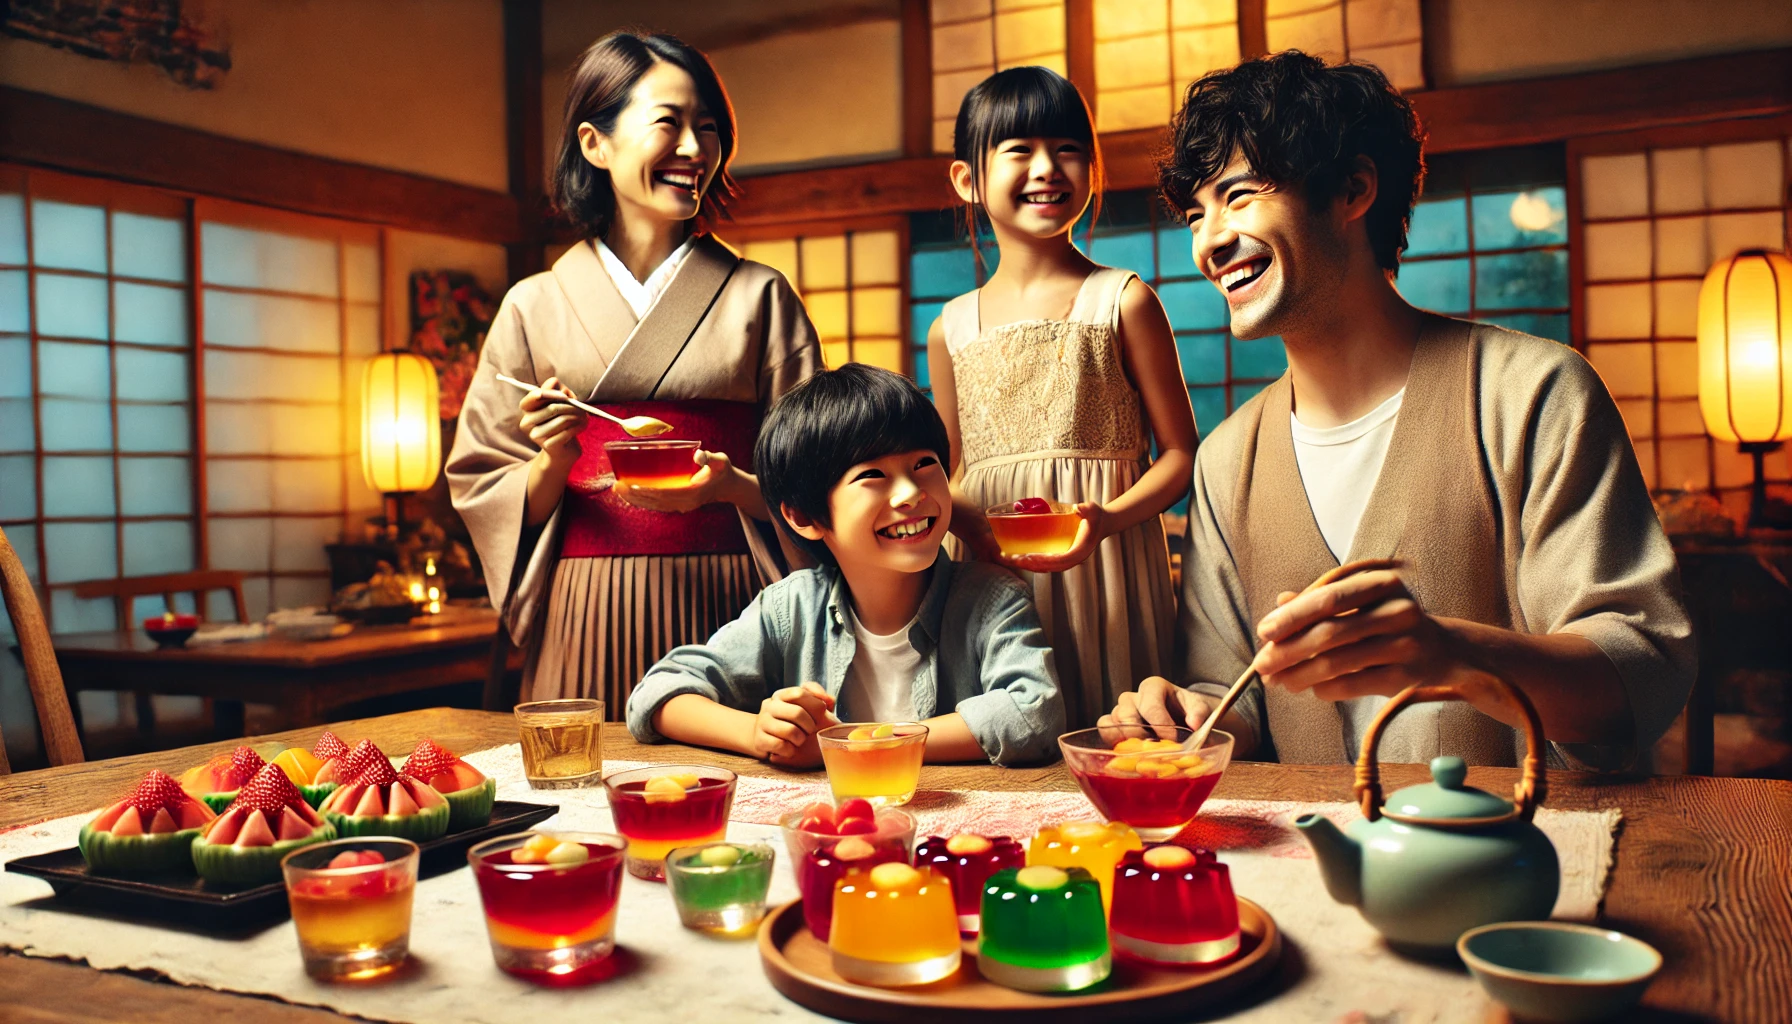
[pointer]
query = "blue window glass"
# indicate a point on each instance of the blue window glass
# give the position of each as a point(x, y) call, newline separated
point(1437, 285)
point(942, 273)
point(1194, 305)
point(1513, 220)
point(1439, 227)
point(68, 236)
point(1176, 253)
point(152, 376)
point(1522, 280)
point(153, 428)
point(1210, 407)
point(152, 247)
point(12, 230)
point(1203, 358)
point(15, 308)
point(18, 432)
point(75, 425)
point(1242, 393)
point(73, 614)
point(1259, 359)
point(923, 378)
point(79, 486)
point(15, 367)
point(71, 307)
point(149, 315)
point(1131, 250)
point(921, 318)
point(74, 370)
point(1544, 325)
point(18, 498)
point(155, 487)
point(24, 541)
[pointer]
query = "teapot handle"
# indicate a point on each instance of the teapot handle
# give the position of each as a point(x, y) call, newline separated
point(1526, 794)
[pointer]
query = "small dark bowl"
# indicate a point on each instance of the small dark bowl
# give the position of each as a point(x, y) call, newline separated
point(382, 614)
point(171, 634)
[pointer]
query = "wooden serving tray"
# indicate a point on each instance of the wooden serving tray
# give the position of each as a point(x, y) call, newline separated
point(186, 901)
point(800, 966)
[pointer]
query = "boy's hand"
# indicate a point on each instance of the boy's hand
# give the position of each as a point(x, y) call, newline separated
point(1089, 535)
point(715, 480)
point(784, 731)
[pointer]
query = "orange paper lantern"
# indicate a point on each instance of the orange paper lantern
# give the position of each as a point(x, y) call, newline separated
point(401, 439)
point(1745, 357)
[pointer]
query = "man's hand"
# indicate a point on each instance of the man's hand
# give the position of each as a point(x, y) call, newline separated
point(784, 731)
point(1360, 636)
point(1161, 703)
point(715, 480)
point(1089, 535)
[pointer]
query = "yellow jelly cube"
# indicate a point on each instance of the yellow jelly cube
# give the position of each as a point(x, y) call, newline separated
point(1127, 764)
point(1129, 746)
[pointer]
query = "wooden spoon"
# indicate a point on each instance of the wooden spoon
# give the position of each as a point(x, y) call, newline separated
point(634, 426)
point(1199, 739)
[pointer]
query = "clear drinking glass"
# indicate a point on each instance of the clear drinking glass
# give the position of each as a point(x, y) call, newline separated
point(720, 887)
point(547, 915)
point(880, 762)
point(562, 742)
point(354, 921)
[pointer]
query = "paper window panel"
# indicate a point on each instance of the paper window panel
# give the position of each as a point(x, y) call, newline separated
point(1680, 417)
point(24, 542)
point(67, 236)
point(823, 261)
point(876, 312)
point(1744, 175)
point(1639, 417)
point(1682, 246)
point(363, 338)
point(147, 314)
point(971, 39)
point(147, 376)
point(1316, 28)
point(158, 547)
point(18, 499)
point(1685, 463)
point(149, 247)
point(250, 258)
point(72, 370)
point(239, 485)
point(256, 598)
point(1625, 368)
point(1731, 233)
point(1677, 309)
point(1029, 35)
point(240, 320)
point(1615, 186)
point(155, 486)
point(298, 544)
point(154, 428)
point(962, 46)
point(1131, 63)
point(15, 306)
point(299, 592)
point(307, 485)
point(949, 88)
point(778, 254)
point(827, 311)
point(361, 273)
point(875, 259)
point(244, 544)
point(80, 551)
point(1677, 371)
point(1616, 251)
point(308, 429)
point(12, 229)
point(237, 428)
point(1678, 177)
point(958, 10)
point(835, 354)
point(18, 431)
point(72, 307)
point(884, 352)
point(75, 425)
point(1615, 311)
point(72, 614)
point(259, 375)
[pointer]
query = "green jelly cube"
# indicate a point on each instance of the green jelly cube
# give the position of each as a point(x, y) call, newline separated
point(1051, 927)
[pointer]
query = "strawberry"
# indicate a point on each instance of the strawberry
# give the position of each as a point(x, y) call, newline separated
point(156, 791)
point(329, 745)
point(1032, 506)
point(269, 791)
point(244, 763)
point(428, 761)
point(377, 773)
point(857, 807)
point(356, 761)
point(356, 859)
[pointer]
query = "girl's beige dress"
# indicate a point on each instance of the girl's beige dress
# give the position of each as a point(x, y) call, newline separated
point(1045, 409)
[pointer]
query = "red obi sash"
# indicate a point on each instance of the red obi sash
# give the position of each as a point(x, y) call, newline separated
point(598, 523)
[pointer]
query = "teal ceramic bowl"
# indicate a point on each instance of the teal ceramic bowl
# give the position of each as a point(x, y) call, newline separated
point(1553, 971)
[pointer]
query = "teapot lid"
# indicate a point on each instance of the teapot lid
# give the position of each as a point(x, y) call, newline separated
point(1446, 796)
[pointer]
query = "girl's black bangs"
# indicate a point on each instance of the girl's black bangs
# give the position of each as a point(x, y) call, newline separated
point(1025, 103)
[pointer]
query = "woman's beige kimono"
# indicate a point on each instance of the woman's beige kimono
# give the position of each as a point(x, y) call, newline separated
point(1512, 497)
point(725, 329)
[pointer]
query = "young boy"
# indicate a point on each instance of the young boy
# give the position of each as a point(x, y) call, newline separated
point(888, 629)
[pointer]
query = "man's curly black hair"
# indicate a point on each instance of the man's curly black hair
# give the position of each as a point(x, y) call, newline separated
point(1301, 123)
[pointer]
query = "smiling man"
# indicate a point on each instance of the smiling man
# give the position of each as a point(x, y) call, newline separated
point(887, 629)
point(1492, 467)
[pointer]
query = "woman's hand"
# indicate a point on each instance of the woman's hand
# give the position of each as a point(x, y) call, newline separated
point(1089, 535)
point(553, 424)
point(715, 480)
point(784, 731)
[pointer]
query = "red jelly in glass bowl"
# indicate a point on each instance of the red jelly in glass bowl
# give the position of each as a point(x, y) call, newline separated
point(1173, 905)
point(967, 861)
point(825, 843)
point(1146, 776)
point(651, 464)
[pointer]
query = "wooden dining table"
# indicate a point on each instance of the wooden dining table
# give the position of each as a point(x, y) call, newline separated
point(1703, 869)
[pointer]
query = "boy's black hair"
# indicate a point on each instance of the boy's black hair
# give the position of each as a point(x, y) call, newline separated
point(1301, 123)
point(832, 422)
point(1022, 103)
point(597, 90)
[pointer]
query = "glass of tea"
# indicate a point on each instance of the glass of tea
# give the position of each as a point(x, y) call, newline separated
point(562, 742)
point(351, 905)
point(1033, 526)
point(652, 463)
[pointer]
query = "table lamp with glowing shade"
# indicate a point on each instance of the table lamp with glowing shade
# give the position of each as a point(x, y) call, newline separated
point(401, 439)
point(1745, 358)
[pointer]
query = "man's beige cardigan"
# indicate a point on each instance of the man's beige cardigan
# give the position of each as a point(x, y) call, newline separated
point(1511, 495)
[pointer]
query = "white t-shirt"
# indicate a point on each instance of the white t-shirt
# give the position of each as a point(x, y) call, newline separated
point(880, 684)
point(1339, 466)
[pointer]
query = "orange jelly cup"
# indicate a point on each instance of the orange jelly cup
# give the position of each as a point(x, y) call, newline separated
point(652, 464)
point(1034, 533)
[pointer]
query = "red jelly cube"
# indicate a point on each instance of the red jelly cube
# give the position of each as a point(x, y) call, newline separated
point(821, 867)
point(968, 861)
point(1174, 905)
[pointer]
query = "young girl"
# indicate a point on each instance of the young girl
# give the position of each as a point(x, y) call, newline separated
point(650, 316)
point(1052, 379)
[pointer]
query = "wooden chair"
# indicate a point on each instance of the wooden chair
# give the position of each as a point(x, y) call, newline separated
point(125, 591)
point(62, 742)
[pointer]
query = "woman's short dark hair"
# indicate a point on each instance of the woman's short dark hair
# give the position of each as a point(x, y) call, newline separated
point(832, 422)
point(1022, 103)
point(597, 91)
point(1302, 123)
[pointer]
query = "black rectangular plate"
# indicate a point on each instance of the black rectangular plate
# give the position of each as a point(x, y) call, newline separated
point(184, 901)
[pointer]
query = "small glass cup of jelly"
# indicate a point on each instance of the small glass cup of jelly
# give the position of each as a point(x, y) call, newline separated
point(651, 464)
point(720, 887)
point(660, 808)
point(876, 761)
point(550, 900)
point(1033, 526)
point(351, 905)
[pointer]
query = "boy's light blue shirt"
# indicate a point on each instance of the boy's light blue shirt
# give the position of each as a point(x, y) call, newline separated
point(983, 654)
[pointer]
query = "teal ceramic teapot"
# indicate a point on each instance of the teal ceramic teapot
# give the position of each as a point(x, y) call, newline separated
point(1440, 858)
